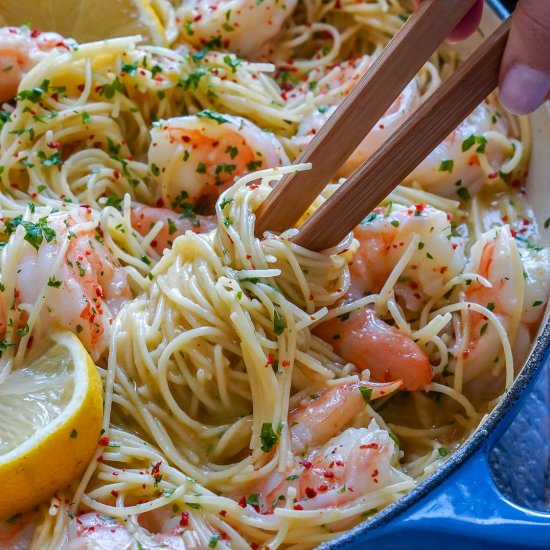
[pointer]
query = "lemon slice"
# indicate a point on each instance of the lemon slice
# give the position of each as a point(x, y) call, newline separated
point(50, 424)
point(86, 20)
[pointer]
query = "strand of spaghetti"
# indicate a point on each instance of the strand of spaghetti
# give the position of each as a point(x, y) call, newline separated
point(457, 396)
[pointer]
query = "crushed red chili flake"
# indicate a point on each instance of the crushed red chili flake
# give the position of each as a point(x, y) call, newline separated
point(155, 470)
point(286, 363)
point(306, 464)
point(328, 474)
point(298, 507)
point(242, 502)
point(53, 144)
point(184, 521)
point(104, 441)
point(270, 359)
point(370, 446)
point(311, 492)
point(114, 493)
point(223, 513)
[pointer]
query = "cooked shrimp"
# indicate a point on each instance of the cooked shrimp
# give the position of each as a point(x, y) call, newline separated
point(195, 158)
point(159, 529)
point(20, 50)
point(383, 238)
point(16, 533)
point(332, 88)
point(145, 217)
point(322, 413)
point(455, 163)
point(347, 467)
point(241, 26)
point(87, 288)
point(495, 257)
point(372, 344)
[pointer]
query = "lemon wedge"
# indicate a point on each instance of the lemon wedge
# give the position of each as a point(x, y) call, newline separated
point(51, 414)
point(87, 20)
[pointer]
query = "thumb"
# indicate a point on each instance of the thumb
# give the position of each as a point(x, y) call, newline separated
point(525, 68)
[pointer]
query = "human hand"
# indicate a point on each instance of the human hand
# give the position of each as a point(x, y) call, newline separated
point(468, 25)
point(525, 67)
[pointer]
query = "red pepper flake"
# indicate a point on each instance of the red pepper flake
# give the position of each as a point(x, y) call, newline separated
point(374, 473)
point(328, 474)
point(513, 233)
point(53, 144)
point(311, 492)
point(104, 441)
point(35, 33)
point(370, 446)
point(155, 470)
point(184, 521)
point(455, 246)
point(100, 458)
point(306, 464)
point(270, 359)
point(254, 546)
point(493, 175)
point(223, 513)
point(443, 269)
point(114, 493)
point(298, 507)
point(242, 502)
point(286, 363)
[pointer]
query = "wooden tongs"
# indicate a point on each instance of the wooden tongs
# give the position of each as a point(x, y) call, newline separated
point(355, 117)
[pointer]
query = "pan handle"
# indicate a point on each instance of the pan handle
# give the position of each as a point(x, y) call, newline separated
point(468, 511)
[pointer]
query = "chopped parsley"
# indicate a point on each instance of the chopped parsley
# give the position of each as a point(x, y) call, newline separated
point(447, 166)
point(278, 325)
point(268, 437)
point(463, 193)
point(53, 282)
point(207, 113)
point(109, 90)
point(366, 393)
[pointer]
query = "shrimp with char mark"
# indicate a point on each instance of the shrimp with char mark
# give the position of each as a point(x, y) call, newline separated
point(20, 50)
point(87, 289)
point(144, 217)
point(195, 158)
point(241, 26)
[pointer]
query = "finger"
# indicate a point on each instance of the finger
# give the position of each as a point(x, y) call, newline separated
point(468, 25)
point(525, 68)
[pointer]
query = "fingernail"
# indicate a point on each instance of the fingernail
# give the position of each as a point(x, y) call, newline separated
point(524, 89)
